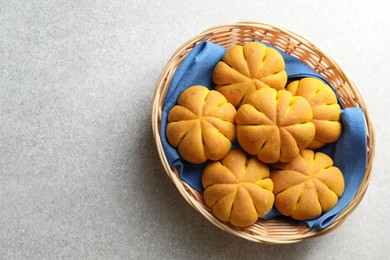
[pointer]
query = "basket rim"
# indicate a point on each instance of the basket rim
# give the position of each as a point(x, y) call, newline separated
point(192, 197)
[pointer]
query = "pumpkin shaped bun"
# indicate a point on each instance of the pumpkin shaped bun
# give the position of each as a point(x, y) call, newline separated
point(238, 188)
point(326, 110)
point(274, 125)
point(244, 69)
point(201, 125)
point(307, 186)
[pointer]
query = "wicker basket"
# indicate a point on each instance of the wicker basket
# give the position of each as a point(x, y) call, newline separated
point(272, 230)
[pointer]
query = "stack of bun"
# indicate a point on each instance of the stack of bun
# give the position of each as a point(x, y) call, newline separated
point(277, 125)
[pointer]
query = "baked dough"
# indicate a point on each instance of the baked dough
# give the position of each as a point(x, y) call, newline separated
point(247, 68)
point(307, 186)
point(201, 125)
point(326, 111)
point(274, 125)
point(238, 188)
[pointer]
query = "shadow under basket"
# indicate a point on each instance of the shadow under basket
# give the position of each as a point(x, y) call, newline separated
point(271, 231)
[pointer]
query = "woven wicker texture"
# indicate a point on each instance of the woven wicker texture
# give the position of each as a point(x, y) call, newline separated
point(266, 231)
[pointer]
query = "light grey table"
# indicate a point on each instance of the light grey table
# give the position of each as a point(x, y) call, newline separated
point(79, 173)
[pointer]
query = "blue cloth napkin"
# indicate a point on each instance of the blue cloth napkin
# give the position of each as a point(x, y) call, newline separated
point(348, 153)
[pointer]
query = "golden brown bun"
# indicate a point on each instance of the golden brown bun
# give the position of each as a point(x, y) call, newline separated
point(326, 111)
point(274, 125)
point(238, 189)
point(307, 186)
point(201, 125)
point(247, 68)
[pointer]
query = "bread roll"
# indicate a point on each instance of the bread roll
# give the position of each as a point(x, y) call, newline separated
point(201, 126)
point(307, 186)
point(274, 125)
point(238, 188)
point(326, 111)
point(247, 68)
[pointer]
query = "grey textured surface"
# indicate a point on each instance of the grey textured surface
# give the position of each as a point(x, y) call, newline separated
point(79, 173)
